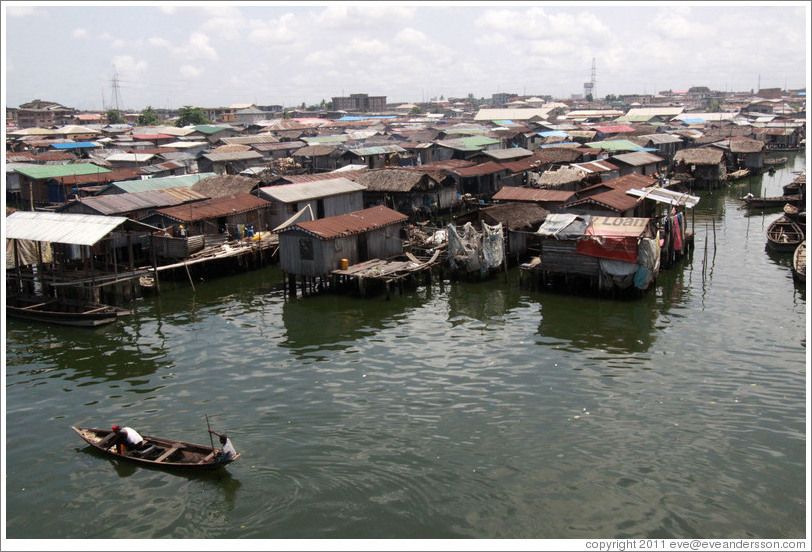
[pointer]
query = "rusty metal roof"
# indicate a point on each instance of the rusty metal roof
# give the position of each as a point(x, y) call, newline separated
point(120, 204)
point(515, 193)
point(612, 193)
point(349, 224)
point(212, 208)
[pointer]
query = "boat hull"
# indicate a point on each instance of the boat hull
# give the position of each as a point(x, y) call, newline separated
point(66, 312)
point(160, 453)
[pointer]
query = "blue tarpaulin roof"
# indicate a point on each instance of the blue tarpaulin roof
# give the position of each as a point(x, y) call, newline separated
point(74, 145)
point(553, 133)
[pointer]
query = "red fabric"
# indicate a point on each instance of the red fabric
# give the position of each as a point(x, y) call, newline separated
point(608, 247)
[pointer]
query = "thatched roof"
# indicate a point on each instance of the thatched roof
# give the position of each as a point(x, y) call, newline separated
point(515, 217)
point(231, 148)
point(402, 180)
point(561, 154)
point(560, 177)
point(225, 185)
point(315, 151)
point(745, 145)
point(699, 156)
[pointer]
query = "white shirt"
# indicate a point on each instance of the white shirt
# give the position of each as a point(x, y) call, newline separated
point(228, 450)
point(132, 438)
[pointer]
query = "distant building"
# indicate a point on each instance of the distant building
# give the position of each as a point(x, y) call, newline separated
point(359, 102)
point(42, 114)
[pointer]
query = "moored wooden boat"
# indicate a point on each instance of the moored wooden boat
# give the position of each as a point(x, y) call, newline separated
point(799, 262)
point(160, 452)
point(784, 235)
point(772, 201)
point(67, 312)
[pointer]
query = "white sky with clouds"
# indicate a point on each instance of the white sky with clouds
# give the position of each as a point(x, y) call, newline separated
point(217, 54)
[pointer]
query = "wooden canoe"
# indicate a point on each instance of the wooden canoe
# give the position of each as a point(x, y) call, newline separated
point(784, 235)
point(67, 312)
point(160, 452)
point(771, 201)
point(799, 262)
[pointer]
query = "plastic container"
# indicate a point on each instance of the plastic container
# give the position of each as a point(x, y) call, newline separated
point(345, 264)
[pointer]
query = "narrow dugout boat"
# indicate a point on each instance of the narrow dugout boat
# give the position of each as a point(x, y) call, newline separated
point(757, 202)
point(799, 262)
point(159, 452)
point(67, 312)
point(784, 235)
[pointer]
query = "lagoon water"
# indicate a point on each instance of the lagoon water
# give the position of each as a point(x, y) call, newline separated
point(458, 410)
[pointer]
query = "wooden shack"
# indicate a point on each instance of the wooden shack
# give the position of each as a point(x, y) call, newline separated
point(705, 165)
point(326, 198)
point(311, 250)
point(222, 215)
point(420, 193)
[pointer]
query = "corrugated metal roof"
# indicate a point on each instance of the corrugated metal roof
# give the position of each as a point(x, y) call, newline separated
point(277, 146)
point(662, 138)
point(637, 158)
point(130, 157)
point(515, 193)
point(304, 191)
point(57, 171)
point(233, 156)
point(351, 223)
point(120, 204)
point(187, 180)
point(596, 166)
point(212, 208)
point(378, 150)
point(615, 145)
point(60, 227)
point(508, 153)
point(663, 195)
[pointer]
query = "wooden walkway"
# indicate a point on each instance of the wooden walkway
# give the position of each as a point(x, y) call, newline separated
point(385, 271)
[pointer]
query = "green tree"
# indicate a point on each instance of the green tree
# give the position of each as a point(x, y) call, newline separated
point(114, 117)
point(416, 111)
point(148, 117)
point(589, 97)
point(191, 116)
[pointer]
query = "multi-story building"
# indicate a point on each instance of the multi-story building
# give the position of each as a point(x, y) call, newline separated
point(359, 102)
point(43, 114)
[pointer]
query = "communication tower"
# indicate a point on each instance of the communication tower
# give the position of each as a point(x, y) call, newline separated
point(589, 87)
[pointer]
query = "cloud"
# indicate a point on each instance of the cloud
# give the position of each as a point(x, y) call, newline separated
point(339, 16)
point(79, 33)
point(190, 71)
point(25, 11)
point(197, 47)
point(273, 31)
point(129, 66)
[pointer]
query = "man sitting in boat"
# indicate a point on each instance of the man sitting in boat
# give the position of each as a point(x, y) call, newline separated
point(228, 452)
point(127, 439)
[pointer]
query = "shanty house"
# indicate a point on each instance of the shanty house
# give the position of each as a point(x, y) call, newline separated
point(667, 145)
point(230, 162)
point(375, 157)
point(41, 184)
point(319, 158)
point(637, 162)
point(703, 164)
point(551, 200)
point(315, 248)
point(417, 192)
point(226, 185)
point(747, 154)
point(222, 215)
point(325, 198)
point(610, 198)
point(136, 206)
